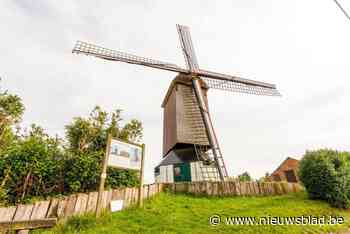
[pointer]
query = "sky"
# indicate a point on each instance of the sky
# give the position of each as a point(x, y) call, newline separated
point(301, 46)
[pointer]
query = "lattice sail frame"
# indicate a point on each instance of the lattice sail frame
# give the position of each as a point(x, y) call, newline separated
point(214, 80)
point(114, 55)
point(240, 87)
point(187, 48)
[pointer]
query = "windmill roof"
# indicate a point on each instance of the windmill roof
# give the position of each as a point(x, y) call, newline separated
point(176, 156)
point(180, 79)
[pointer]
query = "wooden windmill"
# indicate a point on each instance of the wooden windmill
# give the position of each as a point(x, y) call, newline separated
point(187, 123)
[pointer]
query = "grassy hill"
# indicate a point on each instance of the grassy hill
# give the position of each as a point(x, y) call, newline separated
point(168, 213)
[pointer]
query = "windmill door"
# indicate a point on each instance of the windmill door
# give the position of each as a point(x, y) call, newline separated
point(182, 172)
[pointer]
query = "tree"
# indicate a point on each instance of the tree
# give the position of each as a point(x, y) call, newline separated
point(11, 111)
point(244, 177)
point(87, 139)
point(32, 166)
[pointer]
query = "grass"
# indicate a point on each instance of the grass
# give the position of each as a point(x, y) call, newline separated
point(168, 213)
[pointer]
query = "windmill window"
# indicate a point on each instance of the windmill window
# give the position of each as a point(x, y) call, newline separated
point(157, 171)
point(177, 171)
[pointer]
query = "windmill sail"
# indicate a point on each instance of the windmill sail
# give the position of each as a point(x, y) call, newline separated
point(187, 47)
point(236, 84)
point(220, 81)
point(113, 55)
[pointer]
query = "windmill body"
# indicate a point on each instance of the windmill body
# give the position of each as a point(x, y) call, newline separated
point(184, 134)
point(183, 124)
point(190, 147)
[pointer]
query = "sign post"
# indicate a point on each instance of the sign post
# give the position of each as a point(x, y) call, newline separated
point(124, 155)
point(103, 177)
point(141, 177)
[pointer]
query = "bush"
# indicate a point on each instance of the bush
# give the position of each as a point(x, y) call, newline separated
point(245, 177)
point(35, 165)
point(30, 167)
point(326, 175)
point(82, 173)
point(87, 139)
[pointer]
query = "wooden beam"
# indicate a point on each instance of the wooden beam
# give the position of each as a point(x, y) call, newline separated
point(27, 224)
point(103, 177)
point(140, 191)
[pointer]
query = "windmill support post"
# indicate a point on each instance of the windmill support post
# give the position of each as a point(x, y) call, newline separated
point(206, 119)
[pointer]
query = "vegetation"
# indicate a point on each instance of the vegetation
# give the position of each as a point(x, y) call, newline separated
point(265, 178)
point(326, 175)
point(33, 164)
point(87, 139)
point(168, 213)
point(11, 111)
point(244, 177)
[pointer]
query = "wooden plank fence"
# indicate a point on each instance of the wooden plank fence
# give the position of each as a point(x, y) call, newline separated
point(46, 213)
point(234, 188)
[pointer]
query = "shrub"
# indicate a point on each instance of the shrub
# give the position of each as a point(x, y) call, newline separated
point(82, 173)
point(245, 177)
point(31, 167)
point(326, 175)
point(87, 139)
point(35, 165)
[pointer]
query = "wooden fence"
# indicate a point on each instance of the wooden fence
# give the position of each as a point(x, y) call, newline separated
point(44, 213)
point(234, 188)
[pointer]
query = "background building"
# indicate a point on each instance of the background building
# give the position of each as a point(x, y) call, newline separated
point(287, 171)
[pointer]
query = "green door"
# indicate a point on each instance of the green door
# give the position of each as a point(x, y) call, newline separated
point(182, 172)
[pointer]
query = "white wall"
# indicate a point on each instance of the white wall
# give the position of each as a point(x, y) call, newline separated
point(166, 174)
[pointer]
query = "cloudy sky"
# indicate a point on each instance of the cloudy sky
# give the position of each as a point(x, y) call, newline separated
point(302, 46)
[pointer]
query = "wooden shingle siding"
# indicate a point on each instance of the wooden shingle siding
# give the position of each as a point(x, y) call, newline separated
point(190, 128)
point(183, 123)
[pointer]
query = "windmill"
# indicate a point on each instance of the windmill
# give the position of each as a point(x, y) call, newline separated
point(194, 83)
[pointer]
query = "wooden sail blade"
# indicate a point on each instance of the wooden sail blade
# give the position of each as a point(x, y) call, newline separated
point(113, 55)
point(187, 47)
point(236, 84)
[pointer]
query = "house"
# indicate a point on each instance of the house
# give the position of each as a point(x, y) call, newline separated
point(287, 171)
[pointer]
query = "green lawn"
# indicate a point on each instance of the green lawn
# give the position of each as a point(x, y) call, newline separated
point(168, 213)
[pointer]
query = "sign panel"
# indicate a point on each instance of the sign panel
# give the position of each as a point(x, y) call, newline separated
point(116, 205)
point(124, 155)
